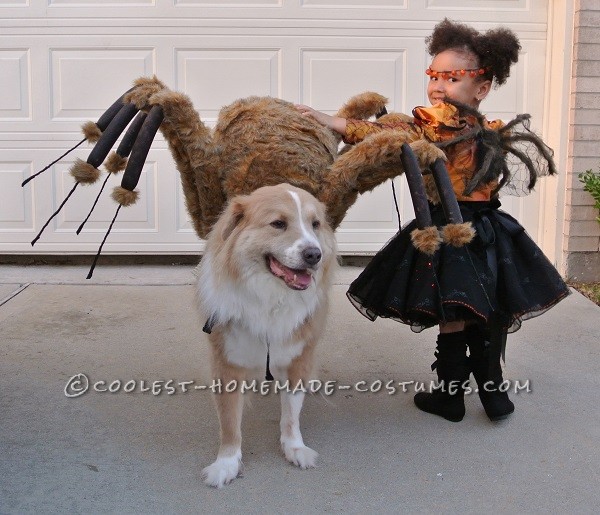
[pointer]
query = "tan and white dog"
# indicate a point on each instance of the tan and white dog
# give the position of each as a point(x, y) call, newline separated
point(264, 282)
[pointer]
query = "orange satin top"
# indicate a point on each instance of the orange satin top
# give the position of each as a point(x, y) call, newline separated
point(440, 122)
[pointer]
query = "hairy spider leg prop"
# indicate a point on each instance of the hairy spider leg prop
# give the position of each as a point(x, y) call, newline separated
point(425, 237)
point(117, 160)
point(126, 194)
point(104, 133)
point(135, 145)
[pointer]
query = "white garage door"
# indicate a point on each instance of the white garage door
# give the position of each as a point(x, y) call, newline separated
point(64, 61)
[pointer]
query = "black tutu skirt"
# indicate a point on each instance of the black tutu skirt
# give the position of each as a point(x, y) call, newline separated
point(502, 274)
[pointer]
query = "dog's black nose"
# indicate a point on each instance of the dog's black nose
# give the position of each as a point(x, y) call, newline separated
point(311, 255)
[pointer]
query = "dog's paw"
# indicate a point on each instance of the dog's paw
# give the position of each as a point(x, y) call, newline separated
point(301, 456)
point(222, 471)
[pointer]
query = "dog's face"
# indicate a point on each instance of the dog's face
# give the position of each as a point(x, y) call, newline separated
point(281, 231)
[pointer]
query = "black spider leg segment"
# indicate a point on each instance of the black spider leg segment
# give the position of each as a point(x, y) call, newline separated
point(416, 186)
point(54, 214)
point(91, 272)
point(116, 126)
point(505, 179)
point(102, 123)
point(110, 135)
point(446, 192)
point(546, 152)
point(112, 111)
point(396, 205)
point(123, 150)
point(521, 118)
point(93, 205)
point(381, 113)
point(52, 163)
point(141, 147)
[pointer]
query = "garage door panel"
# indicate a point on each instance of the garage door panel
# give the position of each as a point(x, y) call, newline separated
point(16, 208)
point(15, 100)
point(347, 72)
point(238, 72)
point(284, 12)
point(85, 81)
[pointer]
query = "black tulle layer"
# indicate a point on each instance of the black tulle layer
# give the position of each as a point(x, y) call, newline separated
point(502, 272)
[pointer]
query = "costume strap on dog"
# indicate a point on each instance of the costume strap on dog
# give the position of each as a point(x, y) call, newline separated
point(208, 327)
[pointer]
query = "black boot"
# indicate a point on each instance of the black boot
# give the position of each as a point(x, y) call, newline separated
point(484, 359)
point(448, 401)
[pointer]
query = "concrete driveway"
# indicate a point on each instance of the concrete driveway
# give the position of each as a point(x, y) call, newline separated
point(136, 452)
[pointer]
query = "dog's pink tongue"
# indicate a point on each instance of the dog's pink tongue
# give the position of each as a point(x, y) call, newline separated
point(301, 280)
point(297, 279)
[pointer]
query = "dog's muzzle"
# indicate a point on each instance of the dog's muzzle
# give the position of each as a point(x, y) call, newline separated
point(295, 278)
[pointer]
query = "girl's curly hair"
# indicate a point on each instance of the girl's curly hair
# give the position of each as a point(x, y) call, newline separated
point(496, 49)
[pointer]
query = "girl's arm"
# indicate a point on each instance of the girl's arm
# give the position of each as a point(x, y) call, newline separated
point(335, 123)
point(354, 131)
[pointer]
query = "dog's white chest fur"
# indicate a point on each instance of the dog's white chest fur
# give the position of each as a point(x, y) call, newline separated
point(260, 315)
point(243, 348)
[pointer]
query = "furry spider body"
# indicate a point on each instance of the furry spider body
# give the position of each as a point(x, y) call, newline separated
point(260, 141)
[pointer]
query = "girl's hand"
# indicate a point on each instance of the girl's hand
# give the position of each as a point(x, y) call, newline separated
point(335, 123)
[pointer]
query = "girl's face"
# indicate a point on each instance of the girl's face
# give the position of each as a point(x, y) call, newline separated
point(462, 88)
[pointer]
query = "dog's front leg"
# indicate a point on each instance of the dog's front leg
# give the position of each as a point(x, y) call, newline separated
point(292, 443)
point(230, 406)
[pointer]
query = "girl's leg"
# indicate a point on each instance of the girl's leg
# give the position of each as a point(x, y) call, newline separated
point(485, 349)
point(453, 372)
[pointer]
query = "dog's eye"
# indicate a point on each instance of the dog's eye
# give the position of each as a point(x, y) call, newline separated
point(316, 224)
point(278, 224)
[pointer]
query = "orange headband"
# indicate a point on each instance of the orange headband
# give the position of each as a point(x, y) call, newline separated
point(473, 72)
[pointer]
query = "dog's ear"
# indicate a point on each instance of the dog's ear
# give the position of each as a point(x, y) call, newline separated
point(232, 217)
